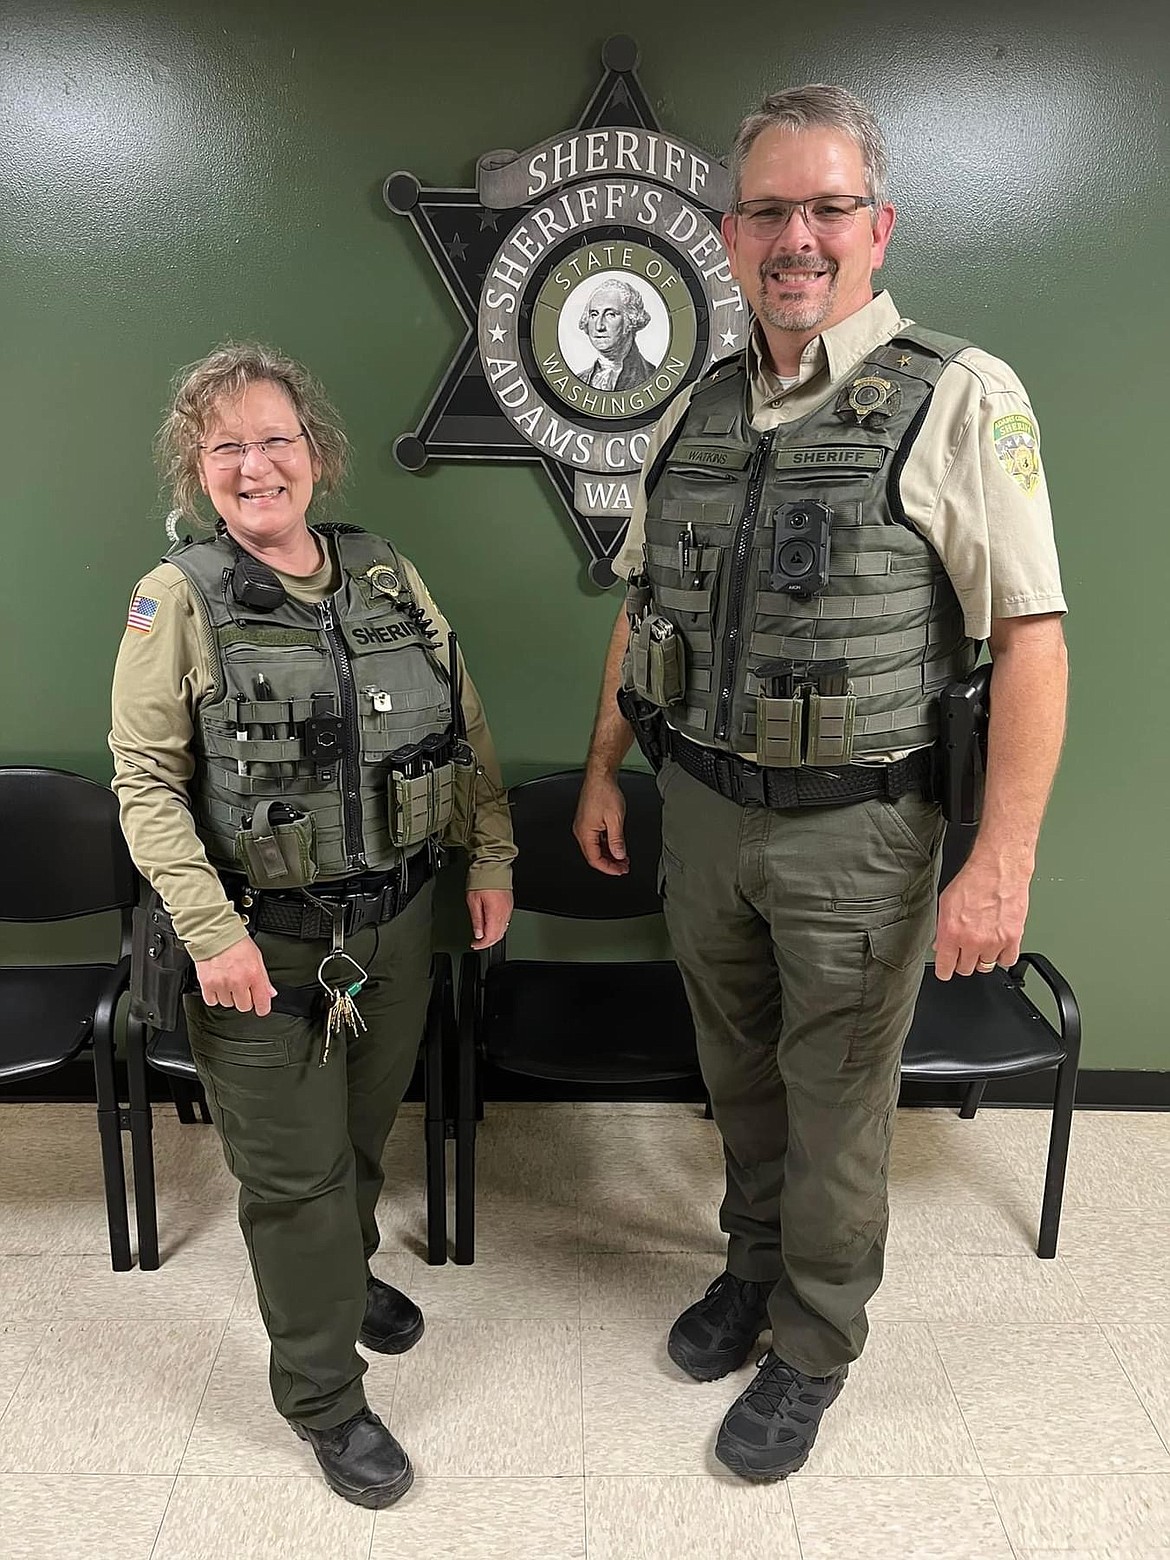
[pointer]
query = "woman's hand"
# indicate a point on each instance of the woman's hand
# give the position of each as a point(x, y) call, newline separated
point(490, 910)
point(236, 978)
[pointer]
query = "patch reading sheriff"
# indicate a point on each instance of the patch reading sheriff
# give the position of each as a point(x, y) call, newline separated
point(1015, 445)
point(594, 285)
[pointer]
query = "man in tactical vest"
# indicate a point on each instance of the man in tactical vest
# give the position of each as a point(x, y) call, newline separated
point(828, 526)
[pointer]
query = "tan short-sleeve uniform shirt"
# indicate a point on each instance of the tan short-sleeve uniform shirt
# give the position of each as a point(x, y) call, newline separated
point(991, 526)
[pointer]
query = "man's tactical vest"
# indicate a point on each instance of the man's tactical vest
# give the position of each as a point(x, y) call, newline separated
point(363, 655)
point(888, 610)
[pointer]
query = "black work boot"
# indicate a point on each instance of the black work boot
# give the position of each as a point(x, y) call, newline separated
point(392, 1323)
point(360, 1459)
point(715, 1335)
point(769, 1430)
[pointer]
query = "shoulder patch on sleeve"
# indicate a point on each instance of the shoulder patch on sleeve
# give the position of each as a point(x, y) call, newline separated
point(1016, 449)
point(142, 613)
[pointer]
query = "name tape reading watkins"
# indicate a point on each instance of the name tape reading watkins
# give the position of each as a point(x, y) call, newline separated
point(593, 284)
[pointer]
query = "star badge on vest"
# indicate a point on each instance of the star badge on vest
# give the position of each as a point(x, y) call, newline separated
point(384, 580)
point(1015, 446)
point(869, 396)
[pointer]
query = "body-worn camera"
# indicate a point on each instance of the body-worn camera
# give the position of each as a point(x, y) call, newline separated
point(800, 547)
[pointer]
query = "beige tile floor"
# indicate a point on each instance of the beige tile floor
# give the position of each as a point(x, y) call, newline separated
point(1005, 1409)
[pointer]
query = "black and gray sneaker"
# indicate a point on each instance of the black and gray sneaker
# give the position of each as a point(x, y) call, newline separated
point(769, 1430)
point(392, 1323)
point(715, 1335)
point(361, 1460)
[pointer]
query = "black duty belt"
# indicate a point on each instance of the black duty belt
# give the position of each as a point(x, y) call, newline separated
point(366, 901)
point(809, 786)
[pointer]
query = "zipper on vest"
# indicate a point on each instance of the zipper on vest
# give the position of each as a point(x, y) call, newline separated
point(350, 767)
point(740, 554)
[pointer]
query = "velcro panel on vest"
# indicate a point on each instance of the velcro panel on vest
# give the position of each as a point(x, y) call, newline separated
point(270, 637)
point(703, 511)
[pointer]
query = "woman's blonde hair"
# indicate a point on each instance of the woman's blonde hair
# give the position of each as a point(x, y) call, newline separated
point(225, 374)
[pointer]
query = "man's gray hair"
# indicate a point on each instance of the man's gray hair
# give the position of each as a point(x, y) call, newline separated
point(633, 304)
point(816, 107)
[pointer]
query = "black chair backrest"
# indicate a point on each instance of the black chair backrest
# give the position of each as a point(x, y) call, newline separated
point(551, 875)
point(61, 851)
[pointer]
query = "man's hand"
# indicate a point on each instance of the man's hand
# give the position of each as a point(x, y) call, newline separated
point(236, 978)
point(490, 910)
point(599, 827)
point(981, 915)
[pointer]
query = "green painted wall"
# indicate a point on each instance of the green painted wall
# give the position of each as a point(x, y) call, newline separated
point(175, 171)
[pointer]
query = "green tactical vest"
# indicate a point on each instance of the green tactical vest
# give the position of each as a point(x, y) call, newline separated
point(363, 654)
point(888, 611)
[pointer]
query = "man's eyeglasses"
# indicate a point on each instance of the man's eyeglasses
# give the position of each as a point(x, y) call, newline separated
point(767, 218)
point(226, 457)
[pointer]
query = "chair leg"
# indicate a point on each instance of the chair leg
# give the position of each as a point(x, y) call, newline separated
point(187, 1097)
point(142, 1146)
point(436, 1135)
point(183, 1102)
point(110, 1134)
point(468, 1113)
point(465, 1125)
point(972, 1099)
point(1063, 1100)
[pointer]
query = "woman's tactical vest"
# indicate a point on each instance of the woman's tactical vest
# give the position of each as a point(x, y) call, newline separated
point(798, 657)
point(340, 712)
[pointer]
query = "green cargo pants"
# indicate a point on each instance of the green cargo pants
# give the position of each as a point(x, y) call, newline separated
point(305, 1143)
point(801, 936)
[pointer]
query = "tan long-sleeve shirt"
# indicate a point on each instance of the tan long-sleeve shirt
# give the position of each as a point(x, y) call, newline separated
point(160, 679)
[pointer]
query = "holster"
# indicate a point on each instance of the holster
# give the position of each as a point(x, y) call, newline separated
point(161, 971)
point(649, 726)
point(964, 711)
point(160, 966)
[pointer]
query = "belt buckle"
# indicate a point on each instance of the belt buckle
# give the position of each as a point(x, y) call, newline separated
point(362, 910)
point(750, 782)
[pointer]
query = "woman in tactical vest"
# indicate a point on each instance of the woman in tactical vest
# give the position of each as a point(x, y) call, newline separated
point(294, 736)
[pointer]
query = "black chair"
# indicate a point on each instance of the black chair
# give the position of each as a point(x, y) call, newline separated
point(601, 1024)
point(979, 1029)
point(63, 856)
point(169, 1052)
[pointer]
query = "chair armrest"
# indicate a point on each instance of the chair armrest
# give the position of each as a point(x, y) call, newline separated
point(116, 983)
point(1062, 993)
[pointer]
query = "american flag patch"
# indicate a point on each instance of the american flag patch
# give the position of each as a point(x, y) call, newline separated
point(141, 615)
